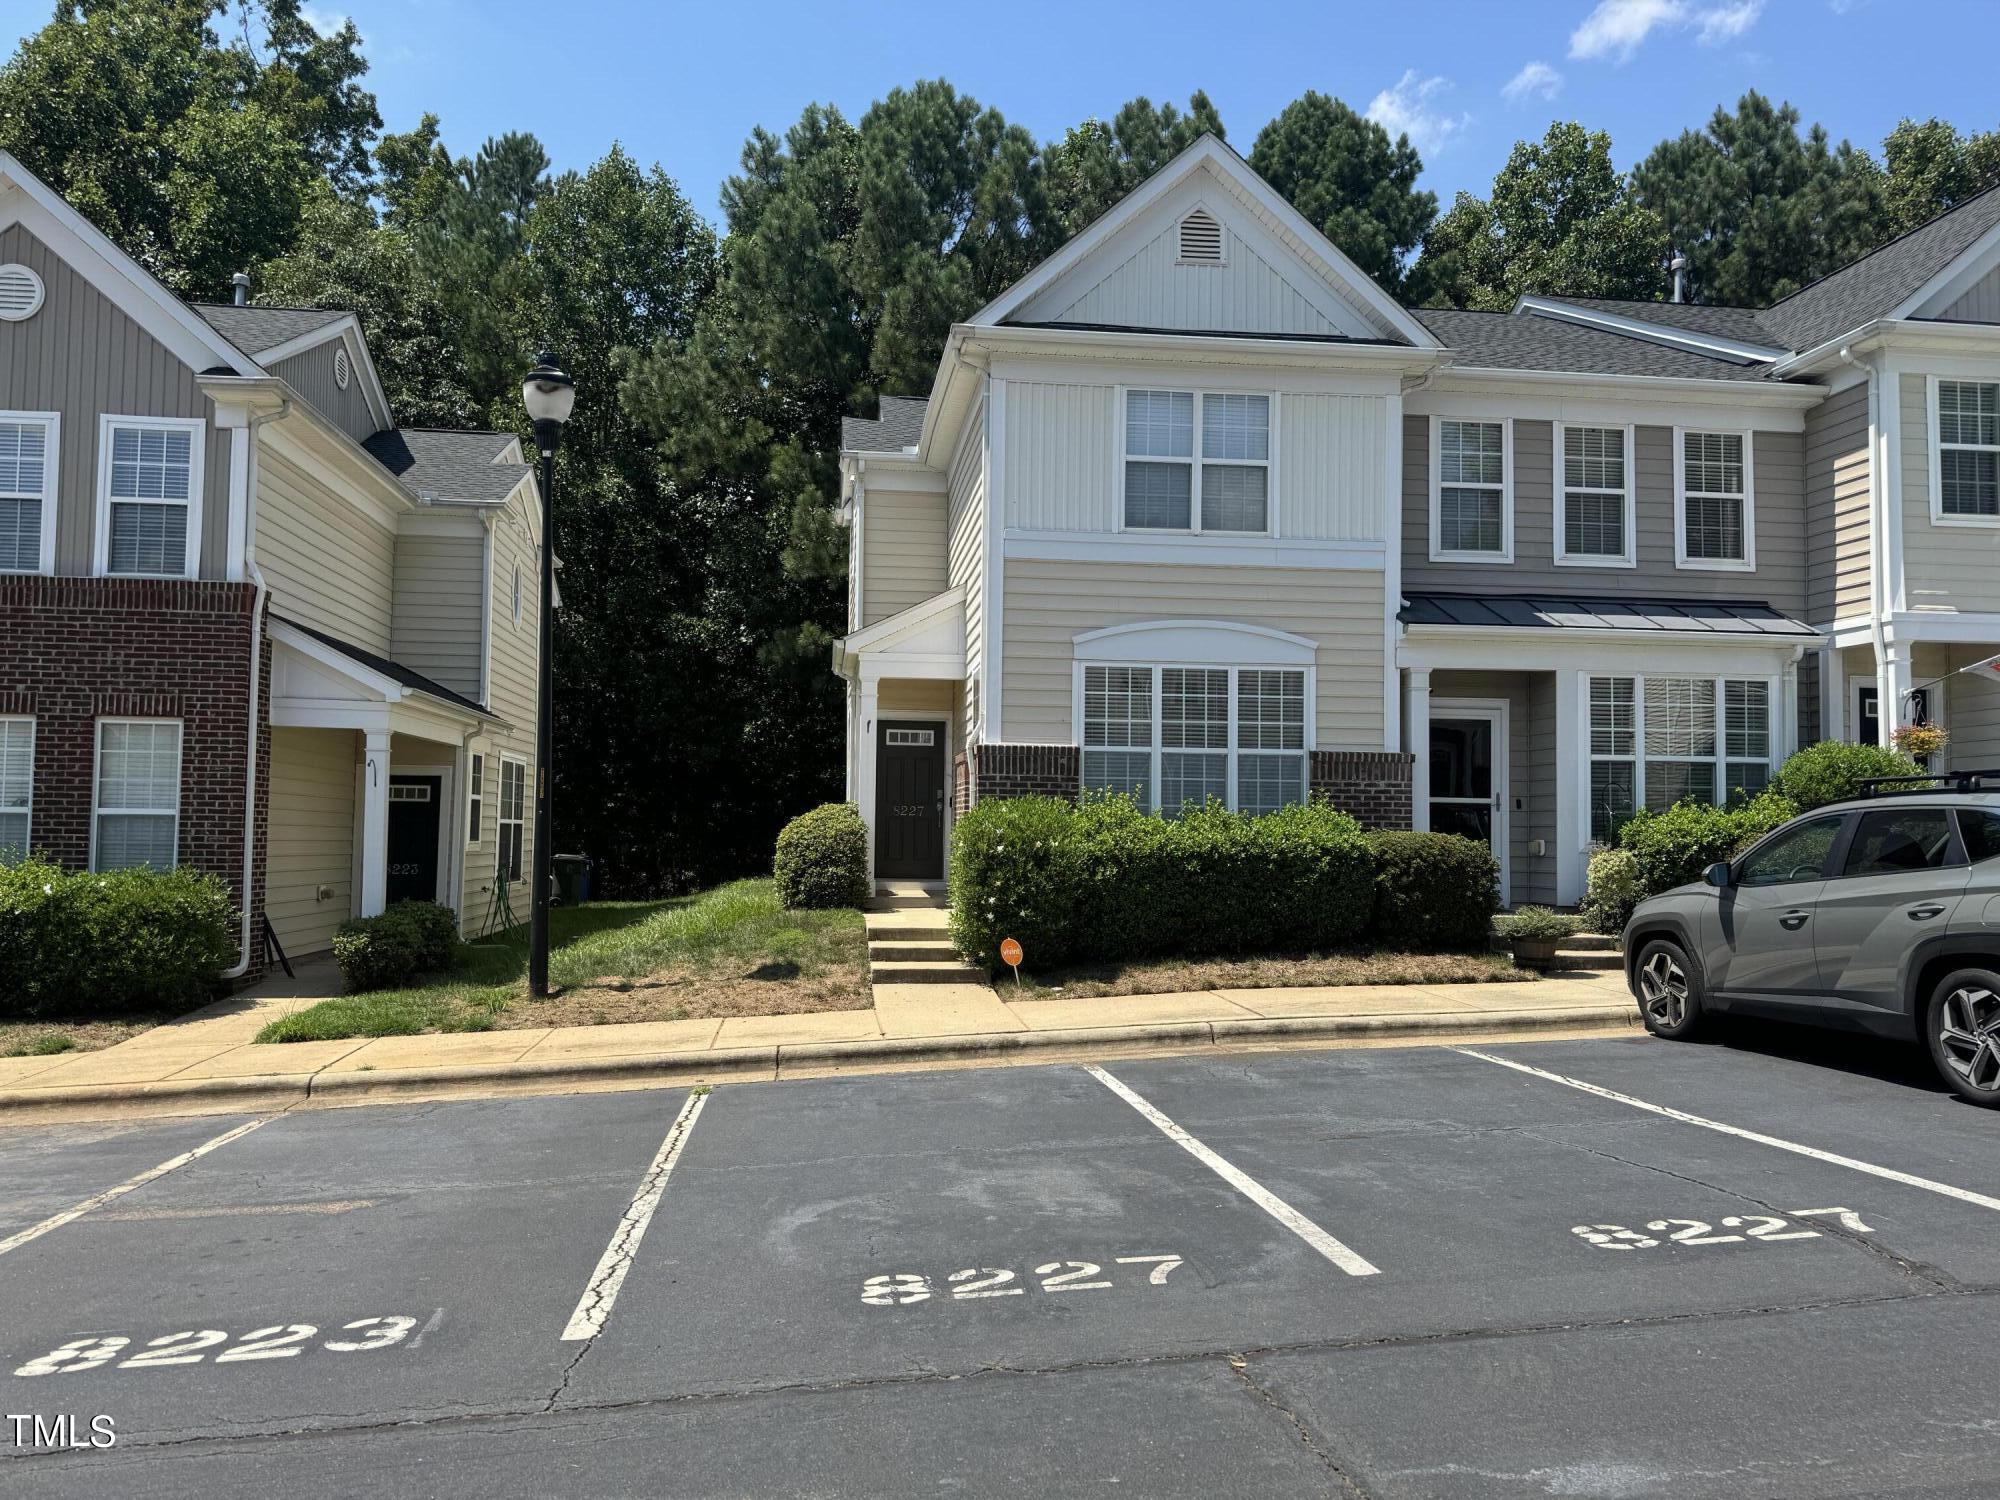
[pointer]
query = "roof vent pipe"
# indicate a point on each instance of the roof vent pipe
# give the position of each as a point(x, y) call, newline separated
point(1679, 265)
point(241, 281)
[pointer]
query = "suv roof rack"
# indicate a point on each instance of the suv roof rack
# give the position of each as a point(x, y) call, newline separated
point(1987, 780)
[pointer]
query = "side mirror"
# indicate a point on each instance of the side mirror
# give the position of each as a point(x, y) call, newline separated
point(1717, 875)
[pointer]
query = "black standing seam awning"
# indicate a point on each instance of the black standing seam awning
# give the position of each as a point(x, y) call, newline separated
point(1694, 617)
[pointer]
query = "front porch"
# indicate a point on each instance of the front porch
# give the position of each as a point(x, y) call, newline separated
point(1936, 669)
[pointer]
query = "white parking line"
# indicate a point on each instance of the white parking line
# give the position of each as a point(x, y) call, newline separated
point(36, 1231)
point(1888, 1174)
point(1245, 1184)
point(593, 1308)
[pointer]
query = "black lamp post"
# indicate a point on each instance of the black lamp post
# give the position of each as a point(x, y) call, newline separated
point(548, 394)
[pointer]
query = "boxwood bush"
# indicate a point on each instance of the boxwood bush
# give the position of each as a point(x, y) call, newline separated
point(1611, 888)
point(410, 940)
point(822, 858)
point(1673, 847)
point(1433, 891)
point(127, 940)
point(1831, 771)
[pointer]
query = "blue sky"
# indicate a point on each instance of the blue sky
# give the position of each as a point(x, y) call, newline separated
point(682, 84)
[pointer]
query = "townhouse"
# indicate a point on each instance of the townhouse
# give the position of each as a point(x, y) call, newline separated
point(247, 623)
point(1198, 510)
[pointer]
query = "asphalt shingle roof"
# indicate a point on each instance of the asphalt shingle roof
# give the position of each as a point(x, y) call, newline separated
point(447, 465)
point(388, 668)
point(1592, 612)
point(900, 425)
point(1504, 341)
point(255, 329)
point(1743, 324)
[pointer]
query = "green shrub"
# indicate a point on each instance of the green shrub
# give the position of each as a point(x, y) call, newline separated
point(1829, 771)
point(121, 941)
point(1433, 891)
point(1536, 924)
point(408, 941)
point(1015, 873)
point(1612, 886)
point(1673, 847)
point(822, 858)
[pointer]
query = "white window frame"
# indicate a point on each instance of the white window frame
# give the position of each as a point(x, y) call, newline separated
point(28, 833)
point(197, 429)
point(1721, 760)
point(1628, 557)
point(1439, 553)
point(1748, 562)
point(98, 812)
point(502, 822)
point(1195, 460)
point(475, 798)
point(1939, 515)
point(51, 466)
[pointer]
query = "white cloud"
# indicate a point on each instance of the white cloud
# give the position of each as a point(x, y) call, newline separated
point(1537, 80)
point(325, 22)
point(1724, 23)
point(1412, 108)
point(1616, 28)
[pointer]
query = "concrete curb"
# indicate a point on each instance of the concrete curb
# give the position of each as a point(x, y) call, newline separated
point(291, 1090)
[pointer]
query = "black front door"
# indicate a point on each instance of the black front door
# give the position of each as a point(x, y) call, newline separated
point(414, 809)
point(909, 800)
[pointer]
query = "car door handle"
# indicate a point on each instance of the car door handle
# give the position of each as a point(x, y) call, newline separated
point(1925, 913)
point(1792, 921)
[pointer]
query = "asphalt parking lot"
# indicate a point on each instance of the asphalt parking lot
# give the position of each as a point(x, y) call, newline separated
point(1608, 1267)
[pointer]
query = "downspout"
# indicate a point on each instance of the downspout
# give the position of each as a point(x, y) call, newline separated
point(1878, 583)
point(257, 610)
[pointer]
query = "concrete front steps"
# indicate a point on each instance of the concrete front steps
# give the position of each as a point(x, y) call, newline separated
point(910, 944)
point(1597, 951)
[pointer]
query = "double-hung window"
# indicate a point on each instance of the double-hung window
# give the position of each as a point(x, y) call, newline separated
point(1714, 506)
point(17, 787)
point(149, 496)
point(1594, 524)
point(1658, 740)
point(513, 815)
point(136, 813)
point(1198, 462)
point(1968, 447)
point(1168, 736)
point(1471, 504)
point(28, 449)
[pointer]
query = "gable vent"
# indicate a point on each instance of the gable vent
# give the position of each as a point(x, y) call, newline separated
point(1201, 239)
point(20, 293)
point(341, 372)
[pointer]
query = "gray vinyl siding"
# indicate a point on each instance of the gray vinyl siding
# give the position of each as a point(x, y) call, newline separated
point(436, 625)
point(328, 565)
point(1779, 497)
point(84, 357)
point(1539, 884)
point(1836, 520)
point(1946, 569)
point(1979, 304)
point(310, 373)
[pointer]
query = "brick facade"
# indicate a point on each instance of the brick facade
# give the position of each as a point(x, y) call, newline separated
point(1018, 771)
point(73, 650)
point(1372, 785)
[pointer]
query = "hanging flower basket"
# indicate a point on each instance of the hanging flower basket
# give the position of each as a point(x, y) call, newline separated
point(1921, 741)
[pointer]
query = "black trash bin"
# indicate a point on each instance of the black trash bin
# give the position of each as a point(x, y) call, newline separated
point(572, 872)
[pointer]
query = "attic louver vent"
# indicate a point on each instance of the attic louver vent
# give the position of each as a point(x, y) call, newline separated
point(1201, 239)
point(20, 293)
point(341, 373)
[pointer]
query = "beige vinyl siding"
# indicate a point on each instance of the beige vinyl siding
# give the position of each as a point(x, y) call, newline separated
point(481, 856)
point(1778, 461)
point(312, 832)
point(915, 695)
point(1971, 707)
point(966, 551)
point(310, 373)
point(1332, 467)
point(1058, 456)
point(436, 620)
point(902, 550)
point(512, 688)
point(328, 564)
point(85, 358)
point(1048, 603)
point(1837, 499)
point(1946, 569)
point(1979, 304)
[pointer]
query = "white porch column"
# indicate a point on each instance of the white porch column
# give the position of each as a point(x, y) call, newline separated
point(375, 824)
point(1892, 688)
point(1417, 728)
point(1832, 694)
point(1572, 789)
point(864, 790)
point(1788, 700)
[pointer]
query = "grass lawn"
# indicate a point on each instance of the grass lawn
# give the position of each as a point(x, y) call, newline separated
point(730, 951)
point(1162, 976)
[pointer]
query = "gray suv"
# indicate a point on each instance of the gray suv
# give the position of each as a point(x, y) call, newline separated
point(1880, 914)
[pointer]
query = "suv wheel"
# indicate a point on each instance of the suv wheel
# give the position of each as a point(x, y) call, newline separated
point(1963, 1025)
point(1668, 987)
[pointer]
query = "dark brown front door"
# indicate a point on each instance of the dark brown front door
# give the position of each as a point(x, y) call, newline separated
point(909, 800)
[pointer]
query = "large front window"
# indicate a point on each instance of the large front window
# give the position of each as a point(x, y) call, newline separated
point(1968, 448)
point(1197, 461)
point(138, 803)
point(1655, 741)
point(1168, 736)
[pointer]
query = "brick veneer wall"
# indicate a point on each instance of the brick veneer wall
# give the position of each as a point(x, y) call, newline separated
point(1373, 785)
point(1021, 771)
point(73, 650)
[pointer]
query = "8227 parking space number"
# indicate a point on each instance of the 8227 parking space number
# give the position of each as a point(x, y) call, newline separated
point(1737, 1229)
point(902, 1288)
point(193, 1346)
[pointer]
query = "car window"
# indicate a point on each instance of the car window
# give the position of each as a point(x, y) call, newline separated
point(1901, 841)
point(1981, 831)
point(1796, 854)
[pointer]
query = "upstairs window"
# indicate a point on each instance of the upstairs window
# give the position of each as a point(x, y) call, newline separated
point(1470, 519)
point(1968, 432)
point(28, 450)
point(1201, 239)
point(1170, 736)
point(149, 497)
point(1197, 462)
point(1712, 501)
point(1594, 501)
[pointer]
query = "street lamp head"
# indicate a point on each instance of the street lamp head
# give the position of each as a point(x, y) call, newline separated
point(548, 394)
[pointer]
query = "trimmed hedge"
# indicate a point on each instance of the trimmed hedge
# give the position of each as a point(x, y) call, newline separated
point(1105, 881)
point(1434, 892)
point(1672, 848)
point(822, 858)
point(1830, 771)
point(122, 941)
point(410, 940)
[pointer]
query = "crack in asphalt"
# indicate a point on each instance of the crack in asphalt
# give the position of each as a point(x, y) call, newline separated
point(1240, 1367)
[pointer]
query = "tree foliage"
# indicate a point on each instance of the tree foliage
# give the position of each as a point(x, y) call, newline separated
point(1932, 168)
point(1095, 163)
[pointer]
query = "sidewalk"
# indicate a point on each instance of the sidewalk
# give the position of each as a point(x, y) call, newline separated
point(206, 1062)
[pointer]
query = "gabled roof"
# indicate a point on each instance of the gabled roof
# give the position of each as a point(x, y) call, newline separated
point(435, 463)
point(899, 426)
point(1506, 341)
point(1598, 612)
point(256, 329)
point(394, 670)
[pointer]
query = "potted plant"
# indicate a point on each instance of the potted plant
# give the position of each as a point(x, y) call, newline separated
point(1921, 742)
point(1534, 933)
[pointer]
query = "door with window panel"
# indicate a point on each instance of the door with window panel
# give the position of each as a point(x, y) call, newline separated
point(1466, 775)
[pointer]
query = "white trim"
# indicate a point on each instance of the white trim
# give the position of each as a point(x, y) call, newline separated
point(1584, 756)
point(1934, 416)
point(1656, 333)
point(993, 599)
point(1195, 462)
point(1439, 553)
point(1953, 278)
point(501, 820)
point(242, 430)
point(1593, 401)
point(98, 813)
point(475, 792)
point(1215, 549)
point(1392, 573)
point(1499, 713)
point(1628, 557)
point(486, 606)
point(197, 429)
point(1747, 563)
point(348, 330)
point(27, 809)
point(447, 799)
point(1193, 643)
point(51, 482)
point(41, 292)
